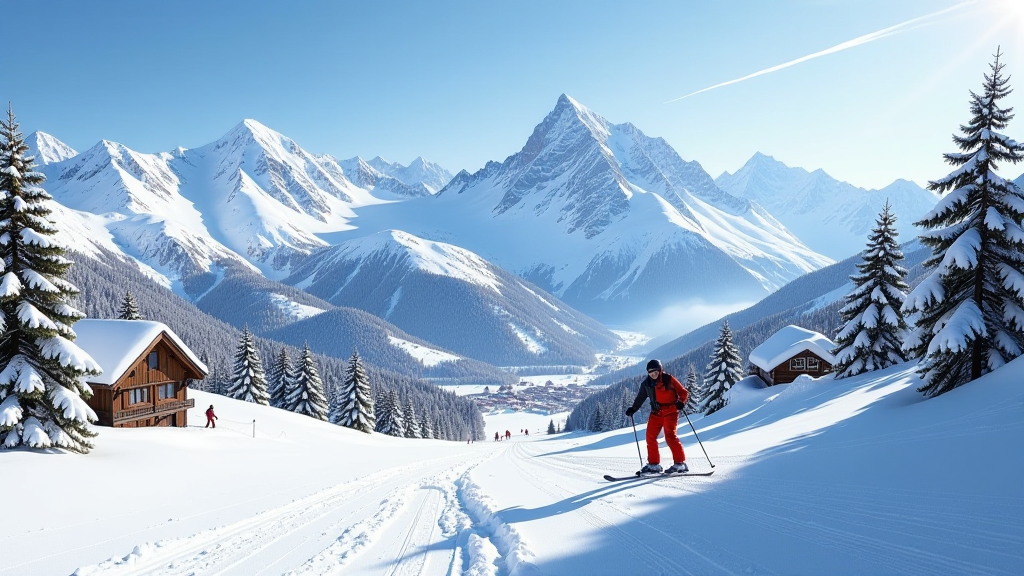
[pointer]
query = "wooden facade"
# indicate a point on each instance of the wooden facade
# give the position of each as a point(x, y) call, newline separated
point(804, 362)
point(152, 392)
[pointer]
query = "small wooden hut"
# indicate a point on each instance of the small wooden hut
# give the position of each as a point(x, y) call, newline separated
point(790, 352)
point(145, 372)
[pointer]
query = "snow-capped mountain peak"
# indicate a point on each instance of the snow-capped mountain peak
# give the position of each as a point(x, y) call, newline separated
point(48, 149)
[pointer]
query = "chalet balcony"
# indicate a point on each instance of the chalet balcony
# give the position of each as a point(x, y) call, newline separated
point(151, 410)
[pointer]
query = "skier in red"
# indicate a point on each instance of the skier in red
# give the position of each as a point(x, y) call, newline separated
point(210, 417)
point(667, 397)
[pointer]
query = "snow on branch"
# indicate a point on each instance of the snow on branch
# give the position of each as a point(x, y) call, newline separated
point(67, 353)
point(964, 325)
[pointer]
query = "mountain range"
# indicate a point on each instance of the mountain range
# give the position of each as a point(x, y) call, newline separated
point(611, 221)
point(830, 216)
point(505, 264)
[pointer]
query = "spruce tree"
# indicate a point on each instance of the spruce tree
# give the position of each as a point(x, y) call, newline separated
point(551, 426)
point(724, 370)
point(389, 416)
point(355, 399)
point(248, 381)
point(412, 425)
point(129, 308)
point(42, 394)
point(280, 374)
point(306, 390)
point(693, 386)
point(969, 310)
point(871, 337)
point(426, 429)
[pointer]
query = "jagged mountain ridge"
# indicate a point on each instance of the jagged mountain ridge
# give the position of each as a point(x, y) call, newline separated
point(831, 216)
point(416, 284)
point(613, 222)
point(253, 198)
point(274, 195)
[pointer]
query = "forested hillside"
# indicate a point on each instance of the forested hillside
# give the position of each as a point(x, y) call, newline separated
point(812, 301)
point(103, 285)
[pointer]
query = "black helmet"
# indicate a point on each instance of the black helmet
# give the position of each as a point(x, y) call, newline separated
point(654, 365)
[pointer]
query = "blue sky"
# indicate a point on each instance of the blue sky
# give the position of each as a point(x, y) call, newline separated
point(464, 82)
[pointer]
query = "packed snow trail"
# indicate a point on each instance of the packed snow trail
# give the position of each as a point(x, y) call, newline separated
point(859, 476)
point(352, 514)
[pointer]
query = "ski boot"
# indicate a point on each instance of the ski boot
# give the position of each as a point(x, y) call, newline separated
point(678, 468)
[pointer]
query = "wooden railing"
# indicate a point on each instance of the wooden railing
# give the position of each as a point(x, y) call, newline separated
point(150, 410)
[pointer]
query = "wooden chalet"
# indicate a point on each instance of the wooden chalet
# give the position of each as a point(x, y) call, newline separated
point(145, 372)
point(790, 352)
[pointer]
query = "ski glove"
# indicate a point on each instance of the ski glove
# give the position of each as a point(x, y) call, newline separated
point(630, 411)
point(680, 406)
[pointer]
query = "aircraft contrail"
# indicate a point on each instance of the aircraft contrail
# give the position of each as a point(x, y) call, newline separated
point(884, 32)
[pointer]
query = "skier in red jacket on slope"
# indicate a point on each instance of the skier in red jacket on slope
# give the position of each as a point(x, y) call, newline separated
point(667, 397)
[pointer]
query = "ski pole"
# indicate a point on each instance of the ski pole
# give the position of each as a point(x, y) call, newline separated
point(638, 443)
point(698, 438)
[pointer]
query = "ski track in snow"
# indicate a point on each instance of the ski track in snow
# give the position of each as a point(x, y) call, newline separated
point(352, 514)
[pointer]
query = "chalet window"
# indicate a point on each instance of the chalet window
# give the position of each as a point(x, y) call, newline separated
point(813, 364)
point(165, 391)
point(797, 364)
point(138, 395)
point(153, 360)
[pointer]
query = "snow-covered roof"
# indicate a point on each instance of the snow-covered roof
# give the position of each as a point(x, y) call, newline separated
point(788, 342)
point(116, 344)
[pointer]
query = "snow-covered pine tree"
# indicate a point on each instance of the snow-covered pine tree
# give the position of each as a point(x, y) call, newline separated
point(278, 377)
point(248, 382)
point(412, 424)
point(724, 370)
point(388, 415)
point(306, 390)
point(551, 426)
point(596, 424)
point(355, 399)
point(42, 396)
point(398, 419)
point(426, 429)
point(871, 337)
point(129, 308)
point(693, 386)
point(969, 310)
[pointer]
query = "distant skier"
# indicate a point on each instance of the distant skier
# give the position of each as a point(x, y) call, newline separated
point(210, 417)
point(496, 437)
point(667, 397)
point(508, 435)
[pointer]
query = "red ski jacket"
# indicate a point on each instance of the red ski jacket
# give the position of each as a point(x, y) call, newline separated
point(663, 393)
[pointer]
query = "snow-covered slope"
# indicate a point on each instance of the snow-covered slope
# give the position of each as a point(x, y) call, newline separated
point(832, 217)
point(792, 302)
point(136, 197)
point(613, 222)
point(858, 476)
point(453, 297)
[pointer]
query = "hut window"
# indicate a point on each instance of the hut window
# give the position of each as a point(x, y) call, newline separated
point(153, 361)
point(138, 395)
point(812, 364)
point(165, 391)
point(797, 364)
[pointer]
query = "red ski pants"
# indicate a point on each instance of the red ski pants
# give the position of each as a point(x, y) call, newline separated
point(666, 421)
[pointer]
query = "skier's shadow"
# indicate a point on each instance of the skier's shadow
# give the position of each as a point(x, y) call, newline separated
point(519, 514)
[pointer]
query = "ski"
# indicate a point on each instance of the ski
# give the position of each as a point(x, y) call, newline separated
point(655, 476)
